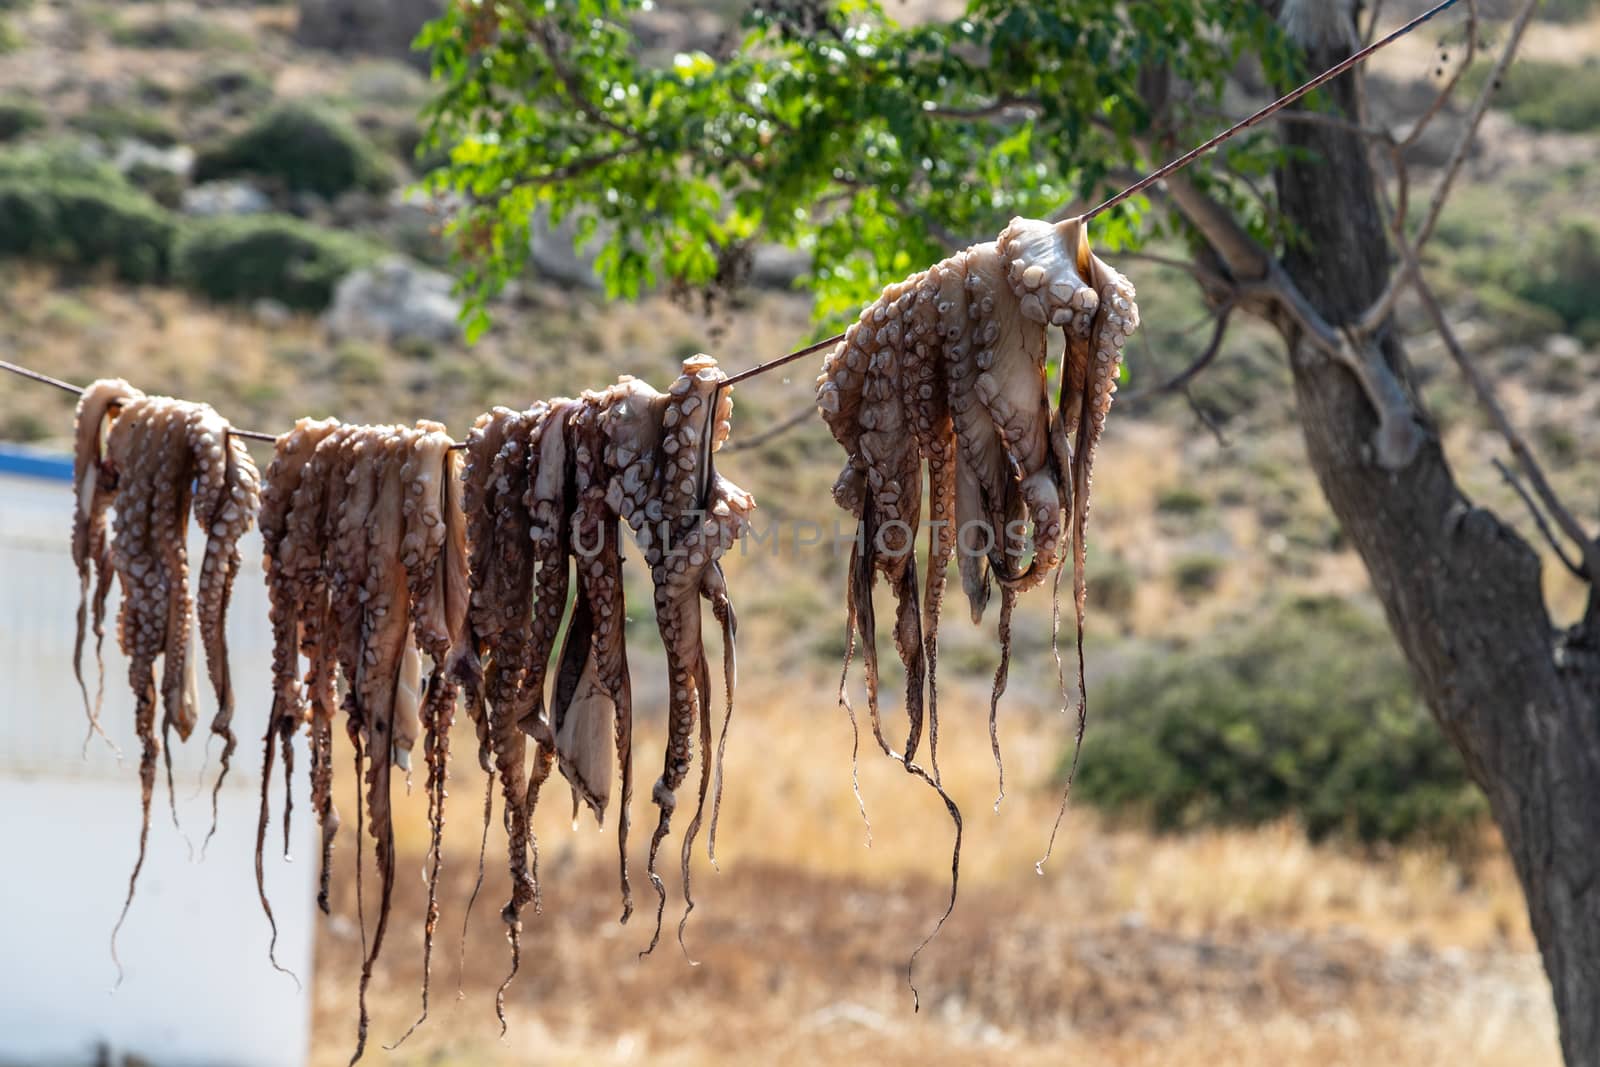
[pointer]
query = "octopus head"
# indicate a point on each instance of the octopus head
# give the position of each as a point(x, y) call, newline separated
point(1049, 267)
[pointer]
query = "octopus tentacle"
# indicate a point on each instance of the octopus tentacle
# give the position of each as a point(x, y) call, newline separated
point(498, 631)
point(385, 630)
point(292, 501)
point(715, 589)
point(171, 496)
point(140, 624)
point(225, 515)
point(93, 484)
point(660, 480)
point(433, 553)
point(861, 610)
point(1115, 319)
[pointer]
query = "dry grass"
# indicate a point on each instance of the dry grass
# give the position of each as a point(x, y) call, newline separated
point(1134, 949)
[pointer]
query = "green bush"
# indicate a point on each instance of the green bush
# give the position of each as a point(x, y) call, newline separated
point(304, 150)
point(1197, 574)
point(18, 117)
point(271, 256)
point(1310, 715)
point(185, 32)
point(1561, 275)
point(116, 123)
point(83, 226)
point(1546, 95)
point(56, 161)
point(237, 84)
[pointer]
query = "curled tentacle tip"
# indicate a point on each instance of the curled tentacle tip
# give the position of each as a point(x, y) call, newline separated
point(1038, 868)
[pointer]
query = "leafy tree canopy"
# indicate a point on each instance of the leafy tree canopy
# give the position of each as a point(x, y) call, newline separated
point(874, 145)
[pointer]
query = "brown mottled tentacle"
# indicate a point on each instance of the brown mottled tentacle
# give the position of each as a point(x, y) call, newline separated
point(94, 484)
point(863, 570)
point(715, 589)
point(702, 682)
point(224, 515)
point(1008, 602)
point(596, 544)
point(385, 626)
point(1115, 319)
point(132, 447)
point(844, 692)
point(680, 632)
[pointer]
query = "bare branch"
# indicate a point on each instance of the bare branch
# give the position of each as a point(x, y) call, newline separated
point(544, 36)
point(1372, 21)
point(1575, 566)
point(1001, 108)
point(1205, 278)
point(1587, 546)
point(1180, 381)
point(790, 422)
point(1244, 258)
point(1373, 319)
point(1205, 418)
point(1338, 122)
point(1447, 90)
point(1399, 436)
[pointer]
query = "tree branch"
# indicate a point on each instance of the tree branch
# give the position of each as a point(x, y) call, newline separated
point(1399, 436)
point(1179, 382)
point(1588, 547)
point(998, 109)
point(542, 33)
point(799, 418)
point(1575, 566)
point(1373, 319)
point(1447, 90)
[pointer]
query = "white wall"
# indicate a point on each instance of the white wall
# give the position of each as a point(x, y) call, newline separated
point(198, 987)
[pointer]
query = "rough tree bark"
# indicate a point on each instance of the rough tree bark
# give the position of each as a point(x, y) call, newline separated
point(1516, 695)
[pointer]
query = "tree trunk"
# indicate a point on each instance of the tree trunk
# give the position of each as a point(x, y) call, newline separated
point(1519, 698)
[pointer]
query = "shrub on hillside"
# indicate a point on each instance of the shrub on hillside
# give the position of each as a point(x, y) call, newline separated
point(118, 123)
point(1310, 715)
point(56, 161)
point(1546, 95)
point(1561, 275)
point(266, 256)
point(81, 225)
point(18, 117)
point(303, 150)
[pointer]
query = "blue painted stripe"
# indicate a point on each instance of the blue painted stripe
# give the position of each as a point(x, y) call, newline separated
point(28, 462)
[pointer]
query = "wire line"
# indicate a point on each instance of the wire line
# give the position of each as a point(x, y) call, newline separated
point(1137, 187)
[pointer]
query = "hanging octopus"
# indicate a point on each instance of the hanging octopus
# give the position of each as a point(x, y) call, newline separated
point(366, 570)
point(493, 657)
point(158, 460)
point(949, 368)
point(684, 516)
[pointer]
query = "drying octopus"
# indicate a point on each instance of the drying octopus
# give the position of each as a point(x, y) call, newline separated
point(366, 561)
point(156, 460)
point(948, 369)
point(545, 492)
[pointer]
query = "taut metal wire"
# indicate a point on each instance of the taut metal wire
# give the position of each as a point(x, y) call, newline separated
point(1137, 187)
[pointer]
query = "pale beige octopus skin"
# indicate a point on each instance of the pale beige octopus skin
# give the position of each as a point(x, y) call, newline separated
point(294, 488)
point(492, 661)
point(156, 450)
point(94, 487)
point(366, 563)
point(226, 501)
point(434, 554)
point(977, 321)
point(657, 451)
